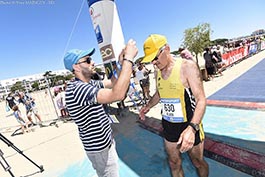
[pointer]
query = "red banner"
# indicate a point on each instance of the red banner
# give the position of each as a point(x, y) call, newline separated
point(235, 55)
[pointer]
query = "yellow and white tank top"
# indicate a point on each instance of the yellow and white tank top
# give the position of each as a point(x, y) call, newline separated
point(178, 103)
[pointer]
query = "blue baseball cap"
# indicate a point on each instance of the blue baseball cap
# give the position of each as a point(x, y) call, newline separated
point(72, 57)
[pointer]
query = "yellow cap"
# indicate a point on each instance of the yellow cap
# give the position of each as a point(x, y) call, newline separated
point(152, 45)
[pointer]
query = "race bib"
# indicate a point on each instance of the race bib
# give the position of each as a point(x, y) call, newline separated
point(172, 110)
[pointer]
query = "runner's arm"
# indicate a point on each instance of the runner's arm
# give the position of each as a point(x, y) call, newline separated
point(193, 77)
point(196, 85)
point(153, 101)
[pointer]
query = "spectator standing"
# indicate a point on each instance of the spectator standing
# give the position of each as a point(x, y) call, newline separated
point(217, 60)
point(60, 101)
point(185, 53)
point(220, 64)
point(142, 75)
point(30, 106)
point(209, 65)
point(10, 100)
point(20, 119)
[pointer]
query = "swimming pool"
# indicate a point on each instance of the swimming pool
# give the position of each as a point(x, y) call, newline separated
point(236, 123)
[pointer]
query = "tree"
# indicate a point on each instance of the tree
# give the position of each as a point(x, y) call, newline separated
point(35, 85)
point(48, 74)
point(50, 77)
point(197, 38)
point(18, 86)
point(175, 52)
point(222, 41)
point(69, 77)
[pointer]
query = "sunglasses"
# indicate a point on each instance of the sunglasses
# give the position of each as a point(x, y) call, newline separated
point(160, 51)
point(88, 61)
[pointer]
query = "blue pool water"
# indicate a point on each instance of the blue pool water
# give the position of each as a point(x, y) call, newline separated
point(236, 123)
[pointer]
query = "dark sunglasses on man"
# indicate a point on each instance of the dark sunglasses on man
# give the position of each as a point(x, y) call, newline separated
point(160, 51)
point(88, 60)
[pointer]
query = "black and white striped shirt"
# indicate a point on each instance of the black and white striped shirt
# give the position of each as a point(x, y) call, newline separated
point(92, 121)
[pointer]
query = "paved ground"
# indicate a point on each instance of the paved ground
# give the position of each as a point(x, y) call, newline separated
point(249, 87)
point(58, 148)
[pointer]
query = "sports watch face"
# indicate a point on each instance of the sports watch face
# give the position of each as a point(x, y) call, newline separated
point(195, 126)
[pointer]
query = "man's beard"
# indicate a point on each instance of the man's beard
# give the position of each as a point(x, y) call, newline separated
point(88, 73)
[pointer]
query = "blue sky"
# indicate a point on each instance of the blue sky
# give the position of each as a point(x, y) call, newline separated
point(36, 33)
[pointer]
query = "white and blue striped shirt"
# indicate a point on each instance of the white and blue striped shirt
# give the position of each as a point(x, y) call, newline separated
point(92, 121)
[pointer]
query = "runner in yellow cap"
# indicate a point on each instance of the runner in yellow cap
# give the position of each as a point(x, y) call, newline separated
point(180, 91)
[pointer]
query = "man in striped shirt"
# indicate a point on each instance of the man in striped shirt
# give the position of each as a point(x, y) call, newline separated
point(85, 98)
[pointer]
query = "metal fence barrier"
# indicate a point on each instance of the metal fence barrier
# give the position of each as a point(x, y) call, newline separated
point(45, 105)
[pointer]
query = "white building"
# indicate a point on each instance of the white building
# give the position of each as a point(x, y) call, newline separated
point(6, 84)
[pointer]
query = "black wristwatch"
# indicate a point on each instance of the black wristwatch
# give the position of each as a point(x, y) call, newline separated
point(195, 127)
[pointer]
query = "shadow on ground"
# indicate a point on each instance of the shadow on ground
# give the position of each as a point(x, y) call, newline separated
point(140, 148)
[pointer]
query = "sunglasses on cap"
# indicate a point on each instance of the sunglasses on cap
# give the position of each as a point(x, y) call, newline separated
point(160, 51)
point(88, 60)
